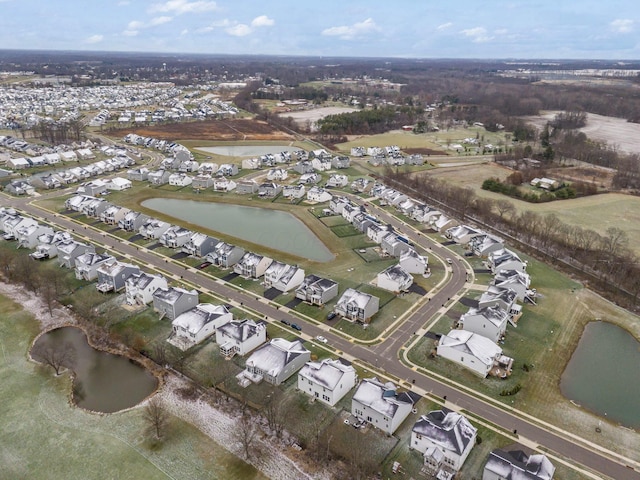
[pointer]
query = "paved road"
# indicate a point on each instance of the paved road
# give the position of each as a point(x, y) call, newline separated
point(384, 354)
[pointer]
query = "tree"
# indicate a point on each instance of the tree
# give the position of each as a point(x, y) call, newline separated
point(274, 412)
point(56, 356)
point(156, 418)
point(246, 431)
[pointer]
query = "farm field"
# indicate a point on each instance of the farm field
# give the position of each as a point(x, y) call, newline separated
point(313, 115)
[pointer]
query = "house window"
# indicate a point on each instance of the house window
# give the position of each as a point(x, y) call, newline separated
point(462, 359)
point(326, 398)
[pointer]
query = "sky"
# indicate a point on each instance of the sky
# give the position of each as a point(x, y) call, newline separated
point(551, 29)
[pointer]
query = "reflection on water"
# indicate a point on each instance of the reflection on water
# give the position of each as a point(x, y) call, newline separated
point(103, 382)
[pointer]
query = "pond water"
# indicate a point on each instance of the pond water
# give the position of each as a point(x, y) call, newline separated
point(248, 150)
point(272, 228)
point(104, 382)
point(603, 374)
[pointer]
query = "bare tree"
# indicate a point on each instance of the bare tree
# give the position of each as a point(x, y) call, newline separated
point(275, 411)
point(56, 356)
point(48, 295)
point(156, 418)
point(245, 432)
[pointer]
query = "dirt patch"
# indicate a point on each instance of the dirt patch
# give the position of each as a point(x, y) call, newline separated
point(224, 130)
point(423, 151)
point(601, 177)
point(303, 116)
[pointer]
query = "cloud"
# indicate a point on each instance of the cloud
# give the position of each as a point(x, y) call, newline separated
point(349, 32)
point(239, 30)
point(159, 21)
point(183, 6)
point(621, 25)
point(477, 34)
point(444, 26)
point(134, 27)
point(262, 21)
point(130, 33)
point(94, 39)
point(123, 3)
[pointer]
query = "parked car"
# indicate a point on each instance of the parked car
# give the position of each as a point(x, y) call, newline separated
point(285, 322)
point(203, 265)
point(331, 315)
point(320, 338)
point(295, 326)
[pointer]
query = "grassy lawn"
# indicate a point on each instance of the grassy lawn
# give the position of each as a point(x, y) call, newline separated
point(43, 437)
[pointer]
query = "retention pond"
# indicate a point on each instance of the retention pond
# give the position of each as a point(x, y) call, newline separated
point(103, 382)
point(271, 228)
point(603, 375)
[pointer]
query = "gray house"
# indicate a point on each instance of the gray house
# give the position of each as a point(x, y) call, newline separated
point(340, 162)
point(175, 237)
point(152, 228)
point(132, 221)
point(113, 275)
point(252, 265)
point(269, 190)
point(380, 405)
point(316, 290)
point(159, 177)
point(69, 250)
point(95, 208)
point(276, 361)
point(88, 263)
point(28, 235)
point(171, 302)
point(225, 255)
point(113, 214)
point(393, 245)
point(199, 245)
point(357, 306)
point(247, 187)
point(517, 464)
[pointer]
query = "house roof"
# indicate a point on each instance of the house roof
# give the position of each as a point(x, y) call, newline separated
point(397, 274)
point(517, 465)
point(275, 355)
point(172, 294)
point(327, 373)
point(380, 397)
point(241, 330)
point(468, 342)
point(495, 315)
point(142, 279)
point(447, 429)
point(355, 298)
point(195, 319)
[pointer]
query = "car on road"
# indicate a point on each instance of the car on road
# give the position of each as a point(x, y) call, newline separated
point(449, 261)
point(285, 322)
point(295, 326)
point(320, 338)
point(203, 265)
point(331, 315)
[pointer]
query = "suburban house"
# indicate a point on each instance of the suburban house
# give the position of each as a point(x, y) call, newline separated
point(309, 178)
point(303, 167)
point(473, 351)
point(318, 195)
point(503, 465)
point(77, 202)
point(377, 231)
point(247, 187)
point(132, 221)
point(152, 228)
point(505, 260)
point(394, 279)
point(316, 290)
point(277, 174)
point(139, 287)
point(269, 189)
point(202, 181)
point(179, 179)
point(118, 184)
point(88, 263)
point(293, 191)
point(282, 276)
point(113, 214)
point(380, 405)
point(462, 234)
point(327, 380)
point(483, 245)
point(337, 181)
point(490, 322)
point(394, 245)
point(360, 185)
point(48, 245)
point(424, 213)
point(322, 163)
point(340, 162)
point(224, 184)
point(515, 280)
point(275, 362)
point(240, 337)
point(69, 250)
point(28, 235)
point(175, 237)
point(93, 188)
point(357, 306)
point(505, 298)
point(138, 174)
point(336, 204)
point(112, 275)
point(173, 301)
point(195, 325)
point(12, 223)
point(252, 265)
point(445, 438)
point(225, 255)
point(95, 208)
point(159, 177)
point(227, 170)
point(199, 245)
point(414, 263)
point(441, 222)
point(251, 164)
point(350, 210)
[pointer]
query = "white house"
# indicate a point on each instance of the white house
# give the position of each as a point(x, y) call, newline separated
point(118, 184)
point(380, 405)
point(463, 234)
point(317, 290)
point(276, 361)
point(446, 431)
point(173, 301)
point(195, 325)
point(175, 236)
point(152, 228)
point(224, 184)
point(293, 191)
point(327, 381)
point(277, 174)
point(180, 179)
point(87, 265)
point(395, 279)
point(505, 260)
point(357, 306)
point(414, 263)
point(515, 280)
point(337, 181)
point(282, 276)
point(517, 464)
point(112, 276)
point(240, 337)
point(252, 265)
point(318, 195)
point(490, 322)
point(139, 289)
point(472, 351)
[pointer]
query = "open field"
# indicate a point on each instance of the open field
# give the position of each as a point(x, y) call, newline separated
point(611, 130)
point(235, 129)
point(397, 137)
point(313, 115)
point(43, 437)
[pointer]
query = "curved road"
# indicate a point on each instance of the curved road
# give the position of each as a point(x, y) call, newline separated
point(384, 354)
